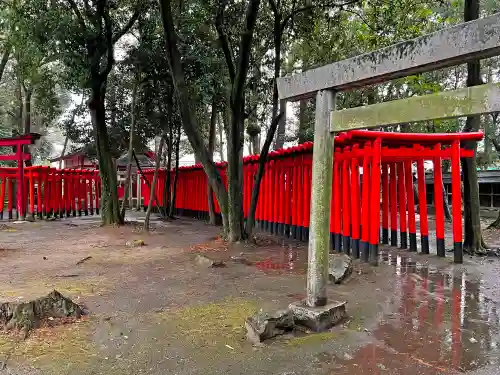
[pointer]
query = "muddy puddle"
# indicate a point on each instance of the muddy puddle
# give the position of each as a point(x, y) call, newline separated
point(434, 321)
point(287, 259)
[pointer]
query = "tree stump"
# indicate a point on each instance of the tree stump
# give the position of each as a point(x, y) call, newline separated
point(28, 315)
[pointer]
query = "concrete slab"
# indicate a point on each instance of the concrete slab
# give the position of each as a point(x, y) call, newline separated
point(319, 318)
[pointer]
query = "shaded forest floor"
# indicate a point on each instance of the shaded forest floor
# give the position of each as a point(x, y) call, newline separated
point(153, 310)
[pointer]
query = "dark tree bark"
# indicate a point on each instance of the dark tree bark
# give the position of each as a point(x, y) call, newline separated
point(128, 173)
point(253, 131)
point(496, 145)
point(496, 223)
point(211, 146)
point(27, 94)
point(167, 185)
point(473, 238)
point(176, 174)
point(189, 122)
point(235, 133)
point(278, 38)
point(220, 126)
point(258, 177)
point(63, 152)
point(5, 59)
point(167, 193)
point(446, 206)
point(304, 125)
point(110, 207)
point(99, 48)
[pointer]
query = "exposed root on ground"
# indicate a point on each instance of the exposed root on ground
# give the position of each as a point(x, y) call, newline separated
point(26, 316)
point(495, 224)
point(481, 251)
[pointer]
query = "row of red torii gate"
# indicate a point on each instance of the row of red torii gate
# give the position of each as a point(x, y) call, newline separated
point(373, 193)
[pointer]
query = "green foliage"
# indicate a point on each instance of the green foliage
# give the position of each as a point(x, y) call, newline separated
point(51, 56)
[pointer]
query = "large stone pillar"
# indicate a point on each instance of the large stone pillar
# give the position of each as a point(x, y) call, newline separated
point(319, 230)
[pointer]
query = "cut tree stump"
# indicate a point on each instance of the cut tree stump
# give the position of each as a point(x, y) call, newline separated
point(26, 316)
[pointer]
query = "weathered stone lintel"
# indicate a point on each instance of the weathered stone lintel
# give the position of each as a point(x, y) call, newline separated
point(476, 39)
point(448, 104)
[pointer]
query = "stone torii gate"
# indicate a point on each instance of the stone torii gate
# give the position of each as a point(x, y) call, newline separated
point(473, 40)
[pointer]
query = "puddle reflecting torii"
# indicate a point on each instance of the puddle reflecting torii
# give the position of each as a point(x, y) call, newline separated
point(435, 321)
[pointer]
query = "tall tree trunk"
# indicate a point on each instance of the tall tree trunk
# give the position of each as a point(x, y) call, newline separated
point(211, 146)
point(153, 184)
point(258, 177)
point(238, 77)
point(255, 144)
point(189, 122)
point(176, 174)
point(473, 238)
point(26, 94)
point(253, 131)
point(496, 223)
point(128, 173)
point(167, 193)
point(496, 145)
point(110, 207)
point(5, 59)
point(280, 135)
point(63, 152)
point(446, 205)
point(167, 185)
point(304, 125)
point(235, 173)
point(221, 137)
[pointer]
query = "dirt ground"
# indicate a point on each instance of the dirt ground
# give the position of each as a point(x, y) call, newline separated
point(153, 310)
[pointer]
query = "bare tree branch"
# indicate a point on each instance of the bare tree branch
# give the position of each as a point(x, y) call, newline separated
point(245, 46)
point(108, 33)
point(5, 58)
point(362, 18)
point(260, 173)
point(224, 41)
point(274, 6)
point(495, 144)
point(78, 15)
point(139, 8)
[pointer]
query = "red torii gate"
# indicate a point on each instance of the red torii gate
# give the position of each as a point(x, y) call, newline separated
point(20, 156)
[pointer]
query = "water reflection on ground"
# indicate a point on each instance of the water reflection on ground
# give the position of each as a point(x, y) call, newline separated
point(435, 321)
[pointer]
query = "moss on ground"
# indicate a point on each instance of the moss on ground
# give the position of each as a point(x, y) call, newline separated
point(57, 350)
point(212, 325)
point(70, 287)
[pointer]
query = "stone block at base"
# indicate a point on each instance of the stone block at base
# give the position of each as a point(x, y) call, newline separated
point(266, 325)
point(319, 318)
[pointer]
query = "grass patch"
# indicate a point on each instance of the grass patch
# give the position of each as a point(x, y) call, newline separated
point(209, 325)
point(56, 350)
point(68, 287)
